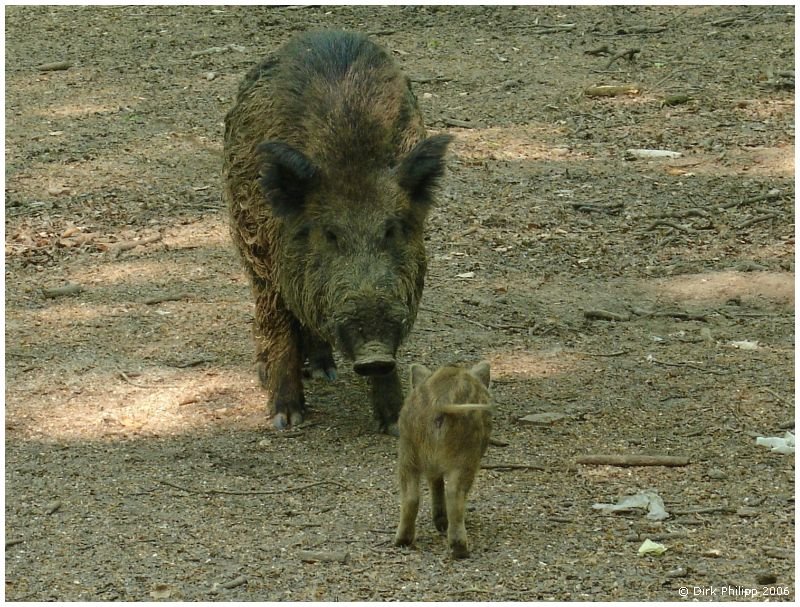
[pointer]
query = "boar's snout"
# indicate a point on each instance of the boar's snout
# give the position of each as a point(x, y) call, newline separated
point(374, 358)
point(369, 333)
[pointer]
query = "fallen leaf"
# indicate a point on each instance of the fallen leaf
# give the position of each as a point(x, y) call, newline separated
point(651, 547)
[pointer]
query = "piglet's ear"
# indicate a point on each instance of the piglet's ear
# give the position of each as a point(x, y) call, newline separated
point(422, 167)
point(419, 374)
point(481, 371)
point(287, 176)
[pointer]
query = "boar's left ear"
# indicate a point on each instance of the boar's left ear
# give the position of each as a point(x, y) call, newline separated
point(421, 168)
point(419, 374)
point(287, 177)
point(481, 371)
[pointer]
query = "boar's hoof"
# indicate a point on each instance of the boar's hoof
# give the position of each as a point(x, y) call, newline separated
point(404, 539)
point(390, 429)
point(281, 422)
point(328, 373)
point(374, 358)
point(459, 550)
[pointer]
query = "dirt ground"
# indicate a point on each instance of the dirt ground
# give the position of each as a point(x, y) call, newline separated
point(628, 306)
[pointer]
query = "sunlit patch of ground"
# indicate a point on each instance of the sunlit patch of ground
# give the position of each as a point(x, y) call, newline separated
point(113, 406)
point(720, 287)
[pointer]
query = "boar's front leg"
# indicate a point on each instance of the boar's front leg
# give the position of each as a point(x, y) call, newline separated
point(387, 399)
point(280, 361)
point(320, 357)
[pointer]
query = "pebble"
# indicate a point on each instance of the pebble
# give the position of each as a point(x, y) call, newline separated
point(542, 419)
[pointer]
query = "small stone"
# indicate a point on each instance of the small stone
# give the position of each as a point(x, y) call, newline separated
point(716, 474)
point(766, 578)
point(542, 419)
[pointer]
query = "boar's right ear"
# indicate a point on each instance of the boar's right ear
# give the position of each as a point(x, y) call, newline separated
point(419, 374)
point(421, 168)
point(287, 177)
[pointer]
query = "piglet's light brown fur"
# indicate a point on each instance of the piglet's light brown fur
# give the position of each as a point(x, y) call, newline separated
point(444, 431)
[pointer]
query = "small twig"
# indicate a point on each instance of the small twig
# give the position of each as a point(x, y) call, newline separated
point(509, 467)
point(463, 316)
point(774, 194)
point(627, 54)
point(678, 315)
point(124, 376)
point(618, 353)
point(226, 492)
point(778, 553)
point(309, 556)
point(636, 31)
point(633, 460)
point(656, 537)
point(709, 510)
point(695, 212)
point(496, 442)
point(192, 362)
point(554, 29)
point(600, 51)
point(775, 394)
point(462, 123)
point(605, 315)
point(14, 542)
point(165, 297)
point(54, 66)
point(69, 289)
point(688, 365)
point(735, 20)
point(757, 219)
point(234, 583)
point(611, 208)
point(429, 79)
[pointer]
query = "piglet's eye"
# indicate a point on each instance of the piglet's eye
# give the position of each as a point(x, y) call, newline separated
point(331, 237)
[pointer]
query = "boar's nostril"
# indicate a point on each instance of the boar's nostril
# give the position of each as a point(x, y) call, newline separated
point(374, 366)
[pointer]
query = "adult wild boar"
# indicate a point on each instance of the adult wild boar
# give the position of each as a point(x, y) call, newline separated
point(328, 178)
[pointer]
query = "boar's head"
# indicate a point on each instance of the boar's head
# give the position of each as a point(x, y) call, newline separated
point(350, 256)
